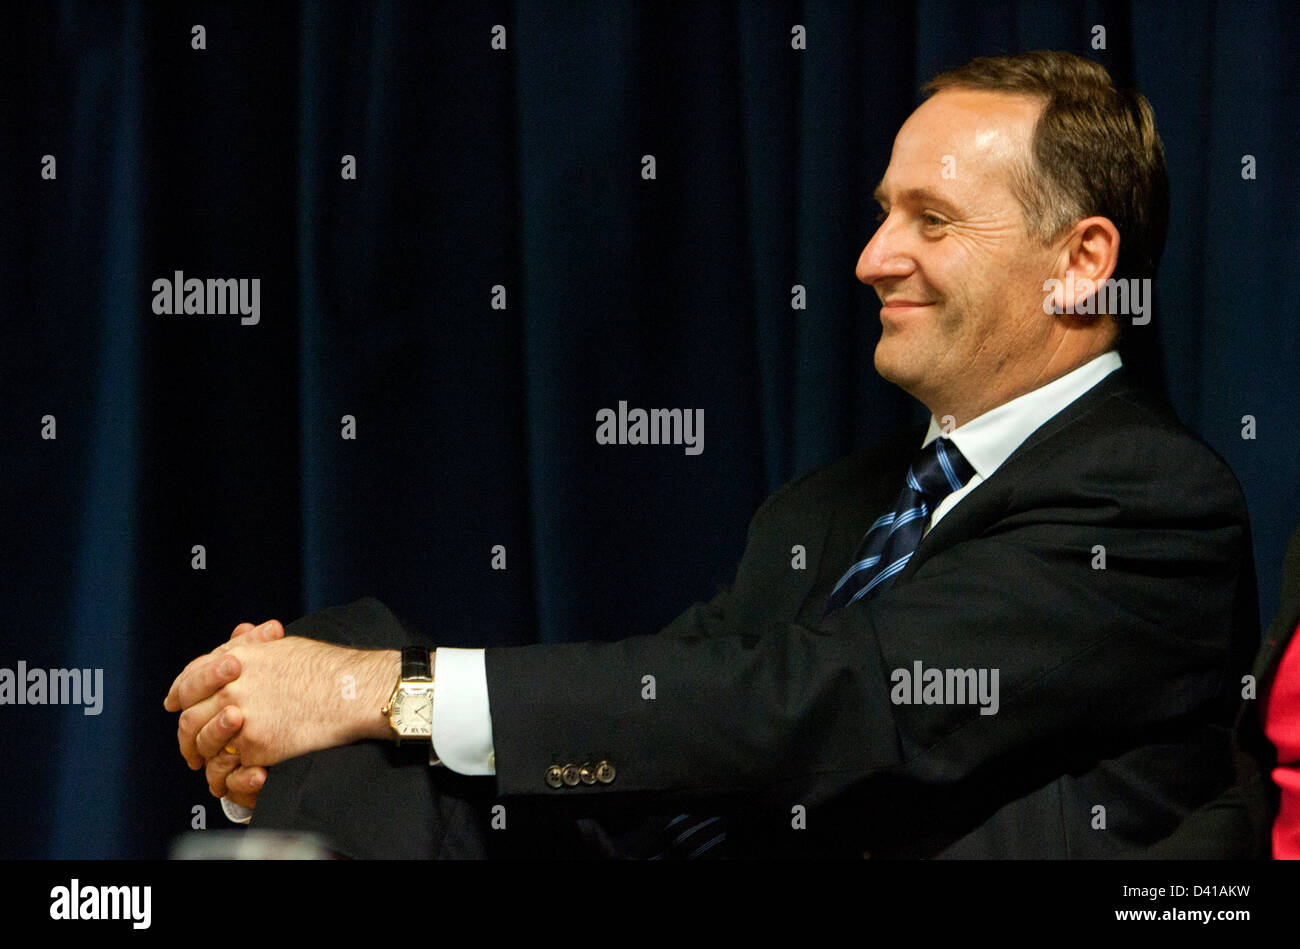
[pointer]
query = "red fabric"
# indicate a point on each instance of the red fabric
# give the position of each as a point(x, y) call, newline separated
point(1282, 726)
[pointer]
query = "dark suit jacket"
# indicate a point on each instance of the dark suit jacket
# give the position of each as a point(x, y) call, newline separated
point(1117, 686)
point(1239, 823)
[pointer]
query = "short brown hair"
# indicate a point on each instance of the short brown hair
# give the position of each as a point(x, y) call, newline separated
point(1095, 151)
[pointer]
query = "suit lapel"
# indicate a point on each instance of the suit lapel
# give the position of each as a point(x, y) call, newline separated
point(984, 506)
point(987, 502)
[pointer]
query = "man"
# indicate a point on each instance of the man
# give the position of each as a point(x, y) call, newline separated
point(1027, 642)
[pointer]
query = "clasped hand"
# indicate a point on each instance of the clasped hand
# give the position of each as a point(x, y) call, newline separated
point(272, 698)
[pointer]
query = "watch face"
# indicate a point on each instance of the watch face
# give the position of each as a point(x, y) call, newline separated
point(412, 714)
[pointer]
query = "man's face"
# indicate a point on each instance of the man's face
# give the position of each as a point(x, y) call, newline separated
point(963, 327)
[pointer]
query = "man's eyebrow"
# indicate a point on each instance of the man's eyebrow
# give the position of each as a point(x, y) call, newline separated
point(918, 196)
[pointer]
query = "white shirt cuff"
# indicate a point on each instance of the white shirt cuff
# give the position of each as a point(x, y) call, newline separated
point(462, 721)
point(236, 812)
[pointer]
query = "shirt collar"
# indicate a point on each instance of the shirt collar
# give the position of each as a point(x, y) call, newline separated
point(989, 440)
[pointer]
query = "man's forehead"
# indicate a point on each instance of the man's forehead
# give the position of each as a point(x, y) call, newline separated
point(959, 142)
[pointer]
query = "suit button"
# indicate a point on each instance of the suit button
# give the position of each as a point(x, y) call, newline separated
point(553, 776)
point(605, 772)
point(586, 773)
point(570, 775)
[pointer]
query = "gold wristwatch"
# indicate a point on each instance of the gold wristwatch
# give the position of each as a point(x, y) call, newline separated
point(410, 707)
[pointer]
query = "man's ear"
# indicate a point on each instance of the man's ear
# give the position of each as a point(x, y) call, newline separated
point(1089, 255)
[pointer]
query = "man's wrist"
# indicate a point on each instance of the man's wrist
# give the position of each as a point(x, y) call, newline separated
point(377, 673)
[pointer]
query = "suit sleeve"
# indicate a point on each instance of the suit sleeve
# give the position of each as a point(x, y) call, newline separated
point(770, 711)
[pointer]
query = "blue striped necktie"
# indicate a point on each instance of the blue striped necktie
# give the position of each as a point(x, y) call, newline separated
point(938, 470)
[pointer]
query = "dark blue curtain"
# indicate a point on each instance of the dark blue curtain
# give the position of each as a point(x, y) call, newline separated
point(520, 168)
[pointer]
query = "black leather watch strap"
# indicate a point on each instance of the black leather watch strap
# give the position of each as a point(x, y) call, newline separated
point(415, 662)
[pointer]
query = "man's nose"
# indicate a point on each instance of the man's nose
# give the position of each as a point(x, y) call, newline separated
point(883, 257)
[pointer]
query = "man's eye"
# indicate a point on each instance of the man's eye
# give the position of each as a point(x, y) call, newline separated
point(929, 220)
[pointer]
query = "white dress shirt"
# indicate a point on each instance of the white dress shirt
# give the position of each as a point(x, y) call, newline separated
point(989, 440)
point(462, 720)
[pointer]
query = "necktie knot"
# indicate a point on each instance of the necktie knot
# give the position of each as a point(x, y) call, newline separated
point(939, 469)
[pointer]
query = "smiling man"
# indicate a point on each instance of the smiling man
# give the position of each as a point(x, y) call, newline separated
point(1019, 634)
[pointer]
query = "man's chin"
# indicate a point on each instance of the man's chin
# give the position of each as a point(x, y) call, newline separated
point(891, 362)
point(900, 369)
